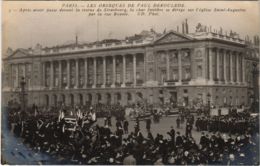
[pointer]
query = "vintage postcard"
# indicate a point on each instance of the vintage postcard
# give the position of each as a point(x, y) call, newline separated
point(130, 82)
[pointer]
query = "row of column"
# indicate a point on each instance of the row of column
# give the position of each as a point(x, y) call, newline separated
point(16, 76)
point(179, 54)
point(230, 72)
point(93, 98)
point(86, 72)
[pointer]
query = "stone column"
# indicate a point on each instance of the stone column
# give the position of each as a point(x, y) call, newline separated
point(60, 74)
point(23, 65)
point(86, 73)
point(68, 74)
point(225, 65)
point(179, 66)
point(235, 67)
point(217, 64)
point(51, 74)
point(167, 66)
point(210, 66)
point(243, 70)
point(17, 76)
point(11, 80)
point(134, 68)
point(104, 72)
point(144, 75)
point(114, 72)
point(231, 67)
point(94, 72)
point(43, 74)
point(124, 70)
point(238, 68)
point(77, 73)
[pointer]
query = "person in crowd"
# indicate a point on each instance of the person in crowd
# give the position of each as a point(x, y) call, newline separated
point(125, 125)
point(118, 123)
point(188, 129)
point(171, 133)
point(178, 122)
point(148, 124)
point(94, 144)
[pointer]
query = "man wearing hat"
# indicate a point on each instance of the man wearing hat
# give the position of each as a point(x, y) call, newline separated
point(125, 125)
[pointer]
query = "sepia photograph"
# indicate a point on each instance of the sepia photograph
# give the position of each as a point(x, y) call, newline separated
point(130, 83)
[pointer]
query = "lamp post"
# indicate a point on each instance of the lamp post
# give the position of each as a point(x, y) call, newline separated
point(23, 83)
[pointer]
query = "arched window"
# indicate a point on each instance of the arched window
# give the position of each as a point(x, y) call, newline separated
point(80, 99)
point(55, 101)
point(199, 71)
point(89, 98)
point(129, 97)
point(99, 97)
point(71, 100)
point(47, 101)
point(63, 98)
point(108, 98)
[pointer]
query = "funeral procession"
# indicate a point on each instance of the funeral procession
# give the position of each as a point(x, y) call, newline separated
point(182, 96)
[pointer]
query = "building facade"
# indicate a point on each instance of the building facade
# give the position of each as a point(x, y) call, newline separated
point(185, 68)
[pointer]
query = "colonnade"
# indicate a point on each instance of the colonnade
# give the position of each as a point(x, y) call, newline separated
point(50, 73)
point(226, 66)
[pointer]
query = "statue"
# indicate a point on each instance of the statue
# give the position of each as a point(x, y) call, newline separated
point(233, 34)
point(201, 28)
point(221, 31)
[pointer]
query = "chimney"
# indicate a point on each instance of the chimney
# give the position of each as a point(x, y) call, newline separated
point(182, 27)
point(187, 26)
point(76, 39)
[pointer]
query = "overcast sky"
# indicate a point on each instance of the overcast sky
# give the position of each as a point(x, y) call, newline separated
point(25, 30)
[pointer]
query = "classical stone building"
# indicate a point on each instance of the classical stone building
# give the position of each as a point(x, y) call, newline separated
point(163, 67)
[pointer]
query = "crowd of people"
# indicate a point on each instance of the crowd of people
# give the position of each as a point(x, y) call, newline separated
point(98, 144)
point(239, 123)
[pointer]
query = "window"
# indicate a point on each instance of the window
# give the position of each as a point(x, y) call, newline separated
point(225, 100)
point(163, 75)
point(185, 90)
point(56, 81)
point(187, 73)
point(81, 81)
point(199, 71)
point(99, 78)
point(72, 80)
point(162, 57)
point(175, 75)
point(150, 57)
point(118, 78)
point(150, 75)
point(138, 75)
point(90, 79)
point(64, 79)
point(128, 77)
point(108, 79)
point(174, 58)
